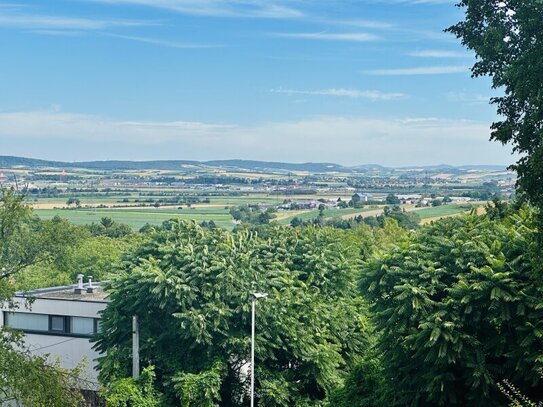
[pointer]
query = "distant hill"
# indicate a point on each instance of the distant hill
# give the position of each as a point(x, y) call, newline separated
point(135, 165)
point(266, 165)
point(370, 167)
point(248, 165)
point(456, 168)
point(10, 161)
point(483, 167)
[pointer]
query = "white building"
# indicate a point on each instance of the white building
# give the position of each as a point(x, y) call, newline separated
point(59, 322)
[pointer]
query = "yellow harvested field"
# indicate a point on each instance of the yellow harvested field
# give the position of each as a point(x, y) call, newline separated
point(47, 205)
point(289, 214)
point(442, 176)
point(366, 214)
point(430, 220)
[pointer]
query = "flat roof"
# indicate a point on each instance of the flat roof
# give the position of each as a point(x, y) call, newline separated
point(67, 292)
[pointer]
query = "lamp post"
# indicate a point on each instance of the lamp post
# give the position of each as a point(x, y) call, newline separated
point(254, 299)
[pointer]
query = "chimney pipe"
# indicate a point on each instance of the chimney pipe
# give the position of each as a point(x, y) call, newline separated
point(79, 288)
point(90, 288)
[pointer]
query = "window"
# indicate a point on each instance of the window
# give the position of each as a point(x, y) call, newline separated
point(52, 324)
point(82, 326)
point(26, 321)
point(97, 325)
point(58, 324)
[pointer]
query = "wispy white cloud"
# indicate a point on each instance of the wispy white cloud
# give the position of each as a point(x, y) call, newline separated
point(72, 27)
point(221, 8)
point(430, 1)
point(342, 92)
point(430, 35)
point(359, 23)
point(47, 22)
point(467, 97)
point(58, 33)
point(435, 53)
point(421, 70)
point(11, 6)
point(164, 43)
point(419, 1)
point(380, 25)
point(421, 121)
point(330, 36)
point(388, 140)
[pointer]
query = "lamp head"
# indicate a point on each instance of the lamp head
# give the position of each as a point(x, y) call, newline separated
point(258, 296)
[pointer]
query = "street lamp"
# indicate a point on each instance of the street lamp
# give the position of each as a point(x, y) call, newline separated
point(255, 297)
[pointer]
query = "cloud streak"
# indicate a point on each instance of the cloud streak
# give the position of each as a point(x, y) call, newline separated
point(73, 27)
point(330, 36)
point(218, 8)
point(417, 2)
point(358, 23)
point(46, 22)
point(422, 70)
point(435, 53)
point(342, 92)
point(468, 98)
point(164, 43)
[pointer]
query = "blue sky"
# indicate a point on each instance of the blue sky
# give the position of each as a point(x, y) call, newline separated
point(345, 81)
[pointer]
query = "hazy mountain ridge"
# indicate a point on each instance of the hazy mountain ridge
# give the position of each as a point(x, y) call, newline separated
point(13, 161)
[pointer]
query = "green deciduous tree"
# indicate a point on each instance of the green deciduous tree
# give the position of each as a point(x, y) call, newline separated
point(458, 308)
point(128, 392)
point(68, 250)
point(191, 289)
point(33, 380)
point(108, 227)
point(73, 201)
point(392, 199)
point(406, 220)
point(253, 214)
point(507, 37)
point(96, 256)
point(16, 229)
point(29, 379)
point(365, 386)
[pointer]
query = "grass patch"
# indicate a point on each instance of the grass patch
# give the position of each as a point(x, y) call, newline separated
point(328, 213)
point(134, 218)
point(444, 210)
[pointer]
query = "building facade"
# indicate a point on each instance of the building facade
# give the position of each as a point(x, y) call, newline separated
point(60, 322)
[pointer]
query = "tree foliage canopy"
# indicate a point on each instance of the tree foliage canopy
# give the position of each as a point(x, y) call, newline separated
point(507, 37)
point(191, 287)
point(138, 392)
point(16, 249)
point(32, 380)
point(458, 308)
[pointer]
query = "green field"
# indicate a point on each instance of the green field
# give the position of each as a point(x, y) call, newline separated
point(85, 200)
point(138, 217)
point(222, 200)
point(444, 210)
point(328, 213)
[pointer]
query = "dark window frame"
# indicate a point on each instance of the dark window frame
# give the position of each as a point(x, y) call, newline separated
point(65, 332)
point(66, 326)
point(96, 322)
